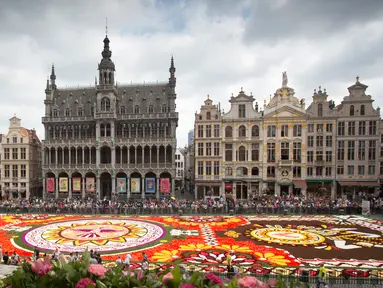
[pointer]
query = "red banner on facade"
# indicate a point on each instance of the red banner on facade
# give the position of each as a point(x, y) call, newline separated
point(165, 185)
point(50, 185)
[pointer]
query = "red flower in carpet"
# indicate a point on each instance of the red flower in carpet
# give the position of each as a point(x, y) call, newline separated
point(259, 270)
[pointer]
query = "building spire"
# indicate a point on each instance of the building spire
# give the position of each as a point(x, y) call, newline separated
point(106, 26)
point(172, 70)
point(47, 88)
point(53, 77)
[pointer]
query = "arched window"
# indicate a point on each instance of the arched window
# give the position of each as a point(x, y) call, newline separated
point(229, 171)
point(242, 131)
point(255, 171)
point(241, 171)
point(105, 104)
point(122, 109)
point(56, 113)
point(164, 109)
point(80, 112)
point(102, 130)
point(151, 109)
point(228, 132)
point(67, 112)
point(110, 78)
point(352, 110)
point(208, 115)
point(242, 153)
point(362, 110)
point(320, 110)
point(255, 131)
point(136, 109)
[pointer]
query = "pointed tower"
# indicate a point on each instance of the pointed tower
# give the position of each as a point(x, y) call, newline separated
point(106, 67)
point(172, 70)
point(53, 78)
point(172, 85)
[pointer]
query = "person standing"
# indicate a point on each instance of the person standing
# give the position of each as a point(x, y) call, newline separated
point(127, 261)
point(322, 277)
point(229, 260)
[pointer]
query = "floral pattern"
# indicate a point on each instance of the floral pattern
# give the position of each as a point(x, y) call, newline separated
point(206, 248)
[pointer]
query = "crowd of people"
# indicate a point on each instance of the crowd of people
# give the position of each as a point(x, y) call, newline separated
point(258, 205)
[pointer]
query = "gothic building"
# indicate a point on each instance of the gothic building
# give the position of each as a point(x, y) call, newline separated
point(110, 140)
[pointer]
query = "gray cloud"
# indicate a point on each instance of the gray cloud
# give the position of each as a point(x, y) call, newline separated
point(219, 46)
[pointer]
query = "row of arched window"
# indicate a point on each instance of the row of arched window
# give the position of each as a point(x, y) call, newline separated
point(362, 110)
point(242, 131)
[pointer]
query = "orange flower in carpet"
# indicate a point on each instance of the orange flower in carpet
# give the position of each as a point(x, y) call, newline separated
point(235, 248)
point(194, 247)
point(278, 260)
point(165, 256)
point(232, 234)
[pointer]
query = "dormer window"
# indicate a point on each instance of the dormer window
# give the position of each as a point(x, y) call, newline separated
point(352, 110)
point(136, 109)
point(362, 110)
point(67, 112)
point(80, 112)
point(122, 109)
point(164, 109)
point(105, 104)
point(56, 113)
point(151, 109)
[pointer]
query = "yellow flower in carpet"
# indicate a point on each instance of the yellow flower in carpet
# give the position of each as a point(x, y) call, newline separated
point(235, 248)
point(232, 234)
point(165, 256)
point(169, 219)
point(194, 247)
point(278, 260)
point(163, 241)
point(233, 220)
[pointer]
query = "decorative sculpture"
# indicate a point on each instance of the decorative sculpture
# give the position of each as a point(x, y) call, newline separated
point(285, 80)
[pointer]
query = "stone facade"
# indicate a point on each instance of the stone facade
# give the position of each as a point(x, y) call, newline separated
point(21, 162)
point(108, 134)
point(288, 149)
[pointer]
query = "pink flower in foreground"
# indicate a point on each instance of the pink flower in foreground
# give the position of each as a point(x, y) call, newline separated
point(187, 285)
point(97, 269)
point(83, 283)
point(167, 277)
point(214, 278)
point(41, 267)
point(250, 282)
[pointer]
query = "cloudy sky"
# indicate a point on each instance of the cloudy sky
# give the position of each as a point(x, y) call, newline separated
point(218, 46)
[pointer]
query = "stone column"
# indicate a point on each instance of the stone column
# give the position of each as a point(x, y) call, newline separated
point(135, 155)
point(150, 156)
point(69, 156)
point(128, 188)
point(112, 130)
point(143, 156)
point(277, 189)
point(57, 187)
point(44, 192)
point(158, 156)
point(333, 190)
point(98, 187)
point(158, 188)
point(173, 187)
point(56, 156)
point(142, 187)
point(113, 157)
point(97, 131)
point(83, 183)
point(121, 156)
point(97, 156)
point(70, 187)
point(113, 184)
point(83, 155)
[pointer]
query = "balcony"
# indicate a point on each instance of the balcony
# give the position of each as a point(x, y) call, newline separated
point(285, 162)
point(319, 162)
point(102, 115)
point(66, 119)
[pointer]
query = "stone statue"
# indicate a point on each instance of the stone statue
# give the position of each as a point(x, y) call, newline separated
point(285, 80)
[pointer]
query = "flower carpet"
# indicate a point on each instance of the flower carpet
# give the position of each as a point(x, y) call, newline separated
point(260, 243)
